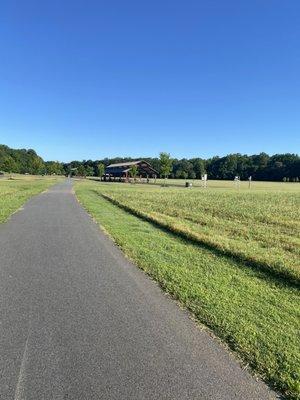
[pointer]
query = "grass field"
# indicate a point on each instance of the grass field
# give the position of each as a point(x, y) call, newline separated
point(230, 256)
point(258, 227)
point(220, 184)
point(231, 185)
point(16, 191)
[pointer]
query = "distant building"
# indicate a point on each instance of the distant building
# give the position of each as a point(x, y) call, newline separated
point(121, 171)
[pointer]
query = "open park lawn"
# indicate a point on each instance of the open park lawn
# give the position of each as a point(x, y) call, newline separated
point(231, 256)
point(15, 191)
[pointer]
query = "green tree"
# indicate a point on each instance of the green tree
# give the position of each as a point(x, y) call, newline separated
point(37, 165)
point(100, 169)
point(89, 170)
point(192, 175)
point(178, 174)
point(199, 167)
point(165, 164)
point(133, 171)
point(184, 174)
point(259, 166)
point(8, 164)
point(81, 171)
point(54, 168)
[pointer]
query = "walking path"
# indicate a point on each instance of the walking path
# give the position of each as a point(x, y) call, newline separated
point(78, 321)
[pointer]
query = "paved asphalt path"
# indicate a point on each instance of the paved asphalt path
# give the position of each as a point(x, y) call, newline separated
point(79, 321)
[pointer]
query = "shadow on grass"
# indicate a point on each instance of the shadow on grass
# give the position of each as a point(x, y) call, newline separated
point(262, 271)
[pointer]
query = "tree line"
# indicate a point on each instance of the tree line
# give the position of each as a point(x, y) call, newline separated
point(278, 167)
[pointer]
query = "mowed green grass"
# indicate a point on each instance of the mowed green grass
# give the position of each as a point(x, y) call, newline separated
point(222, 184)
point(255, 312)
point(15, 192)
point(261, 227)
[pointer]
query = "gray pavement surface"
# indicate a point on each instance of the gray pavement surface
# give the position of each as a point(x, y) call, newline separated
point(79, 321)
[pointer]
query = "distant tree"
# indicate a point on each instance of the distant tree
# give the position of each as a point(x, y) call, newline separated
point(89, 170)
point(81, 171)
point(165, 164)
point(192, 175)
point(74, 164)
point(8, 164)
point(54, 168)
point(37, 166)
point(133, 171)
point(184, 174)
point(178, 174)
point(100, 169)
point(198, 167)
point(33, 164)
point(259, 166)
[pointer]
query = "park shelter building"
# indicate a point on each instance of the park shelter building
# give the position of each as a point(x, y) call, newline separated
point(121, 171)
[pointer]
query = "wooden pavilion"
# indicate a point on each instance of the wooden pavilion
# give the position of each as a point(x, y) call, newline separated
point(121, 171)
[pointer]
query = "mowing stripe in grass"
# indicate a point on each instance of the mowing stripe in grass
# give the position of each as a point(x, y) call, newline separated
point(281, 277)
point(260, 226)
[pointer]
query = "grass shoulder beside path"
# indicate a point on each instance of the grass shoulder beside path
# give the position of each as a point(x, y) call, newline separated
point(15, 192)
point(258, 318)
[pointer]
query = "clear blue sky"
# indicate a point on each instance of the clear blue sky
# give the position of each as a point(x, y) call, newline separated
point(88, 79)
